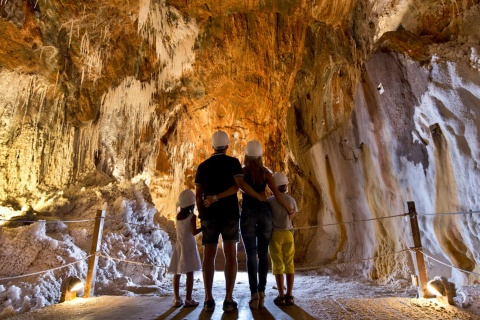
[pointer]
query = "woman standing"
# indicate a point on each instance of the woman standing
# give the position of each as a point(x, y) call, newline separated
point(256, 221)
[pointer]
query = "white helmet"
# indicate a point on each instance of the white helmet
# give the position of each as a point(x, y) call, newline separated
point(186, 198)
point(219, 139)
point(280, 179)
point(253, 149)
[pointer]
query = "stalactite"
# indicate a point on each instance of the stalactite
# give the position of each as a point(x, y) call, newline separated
point(30, 136)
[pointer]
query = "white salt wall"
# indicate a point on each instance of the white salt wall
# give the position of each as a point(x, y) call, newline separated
point(40, 146)
point(27, 250)
point(386, 156)
point(31, 151)
point(173, 37)
point(130, 234)
point(453, 101)
point(41, 151)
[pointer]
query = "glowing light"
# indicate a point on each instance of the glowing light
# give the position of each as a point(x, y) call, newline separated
point(436, 288)
point(70, 287)
point(442, 289)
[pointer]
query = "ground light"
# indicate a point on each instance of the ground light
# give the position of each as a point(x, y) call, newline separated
point(442, 289)
point(70, 287)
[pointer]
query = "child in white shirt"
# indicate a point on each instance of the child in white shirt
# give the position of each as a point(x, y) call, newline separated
point(185, 258)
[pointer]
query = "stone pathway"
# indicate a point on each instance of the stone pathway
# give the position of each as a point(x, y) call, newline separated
point(317, 297)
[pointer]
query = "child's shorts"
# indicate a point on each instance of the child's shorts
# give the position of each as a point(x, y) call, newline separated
point(282, 251)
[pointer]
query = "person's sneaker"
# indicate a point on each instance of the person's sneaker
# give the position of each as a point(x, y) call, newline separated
point(254, 301)
point(261, 302)
point(229, 305)
point(191, 303)
point(209, 305)
point(177, 303)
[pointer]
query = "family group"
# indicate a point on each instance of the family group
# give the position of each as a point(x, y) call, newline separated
point(265, 225)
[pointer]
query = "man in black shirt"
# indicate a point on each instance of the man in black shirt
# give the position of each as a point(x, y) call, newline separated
point(219, 178)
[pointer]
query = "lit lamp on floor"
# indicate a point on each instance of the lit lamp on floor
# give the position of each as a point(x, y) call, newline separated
point(441, 288)
point(70, 287)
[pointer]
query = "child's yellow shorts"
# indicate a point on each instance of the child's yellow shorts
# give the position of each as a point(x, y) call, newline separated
point(282, 251)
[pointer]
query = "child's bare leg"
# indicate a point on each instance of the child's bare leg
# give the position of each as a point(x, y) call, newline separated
point(176, 286)
point(290, 278)
point(279, 280)
point(189, 285)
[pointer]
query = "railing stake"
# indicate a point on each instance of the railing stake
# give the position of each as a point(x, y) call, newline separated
point(92, 260)
point(417, 242)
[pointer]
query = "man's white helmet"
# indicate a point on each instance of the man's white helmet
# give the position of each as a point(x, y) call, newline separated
point(253, 149)
point(220, 139)
point(280, 179)
point(186, 198)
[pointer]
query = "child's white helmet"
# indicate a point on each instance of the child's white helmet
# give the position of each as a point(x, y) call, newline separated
point(186, 198)
point(280, 179)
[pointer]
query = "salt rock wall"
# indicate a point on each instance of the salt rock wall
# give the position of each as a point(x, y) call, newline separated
point(413, 136)
point(103, 92)
point(100, 92)
point(81, 89)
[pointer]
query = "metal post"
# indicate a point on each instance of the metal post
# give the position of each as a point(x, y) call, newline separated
point(422, 271)
point(92, 260)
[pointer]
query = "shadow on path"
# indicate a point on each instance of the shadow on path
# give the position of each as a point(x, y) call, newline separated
point(270, 312)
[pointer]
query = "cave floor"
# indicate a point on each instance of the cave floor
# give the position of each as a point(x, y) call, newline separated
point(317, 297)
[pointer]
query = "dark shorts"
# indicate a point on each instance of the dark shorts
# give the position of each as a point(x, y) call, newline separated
point(211, 229)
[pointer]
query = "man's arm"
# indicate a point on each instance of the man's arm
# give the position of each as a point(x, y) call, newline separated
point(249, 190)
point(211, 199)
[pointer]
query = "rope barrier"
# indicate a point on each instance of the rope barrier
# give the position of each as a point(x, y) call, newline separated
point(143, 225)
point(448, 265)
point(351, 261)
point(47, 221)
point(448, 213)
point(351, 222)
point(104, 255)
point(381, 218)
point(296, 228)
point(45, 271)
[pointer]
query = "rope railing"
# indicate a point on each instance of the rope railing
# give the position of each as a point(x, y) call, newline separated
point(104, 255)
point(448, 213)
point(44, 271)
point(386, 217)
point(142, 225)
point(449, 265)
point(351, 261)
point(296, 228)
point(351, 222)
point(46, 221)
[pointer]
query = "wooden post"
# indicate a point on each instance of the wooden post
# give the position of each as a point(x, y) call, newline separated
point(417, 242)
point(92, 261)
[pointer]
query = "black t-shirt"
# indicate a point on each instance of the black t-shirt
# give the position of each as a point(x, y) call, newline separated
point(215, 175)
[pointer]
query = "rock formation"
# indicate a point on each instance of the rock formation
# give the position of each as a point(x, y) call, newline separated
point(365, 104)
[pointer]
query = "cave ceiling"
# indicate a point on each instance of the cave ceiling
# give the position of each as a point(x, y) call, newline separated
point(138, 87)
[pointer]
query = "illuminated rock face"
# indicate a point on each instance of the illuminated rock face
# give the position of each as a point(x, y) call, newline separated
point(105, 91)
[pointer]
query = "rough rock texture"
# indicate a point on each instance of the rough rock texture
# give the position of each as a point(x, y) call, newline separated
point(95, 92)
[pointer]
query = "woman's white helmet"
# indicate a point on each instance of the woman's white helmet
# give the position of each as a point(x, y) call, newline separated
point(280, 179)
point(220, 139)
point(253, 149)
point(186, 198)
